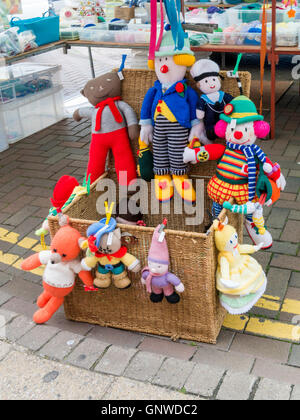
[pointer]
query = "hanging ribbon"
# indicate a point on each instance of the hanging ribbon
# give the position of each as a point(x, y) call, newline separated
point(153, 10)
point(263, 53)
point(161, 26)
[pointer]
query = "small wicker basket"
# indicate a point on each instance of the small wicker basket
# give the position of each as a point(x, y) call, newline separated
point(198, 316)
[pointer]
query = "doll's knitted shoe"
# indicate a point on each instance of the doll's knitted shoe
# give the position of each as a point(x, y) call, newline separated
point(184, 187)
point(155, 298)
point(103, 281)
point(121, 281)
point(173, 298)
point(256, 237)
point(164, 190)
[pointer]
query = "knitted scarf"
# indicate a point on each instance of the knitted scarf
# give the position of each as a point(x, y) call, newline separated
point(149, 278)
point(114, 110)
point(250, 152)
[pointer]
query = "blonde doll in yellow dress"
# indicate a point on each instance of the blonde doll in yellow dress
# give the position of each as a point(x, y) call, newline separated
point(241, 280)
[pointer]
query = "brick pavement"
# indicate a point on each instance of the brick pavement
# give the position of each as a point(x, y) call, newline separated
point(245, 357)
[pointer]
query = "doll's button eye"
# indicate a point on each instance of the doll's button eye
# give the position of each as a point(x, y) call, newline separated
point(55, 250)
point(64, 255)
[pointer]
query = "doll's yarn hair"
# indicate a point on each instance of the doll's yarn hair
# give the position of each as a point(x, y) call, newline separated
point(261, 129)
point(186, 60)
point(223, 233)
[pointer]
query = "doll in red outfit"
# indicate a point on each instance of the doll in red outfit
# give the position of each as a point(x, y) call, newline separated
point(243, 170)
point(114, 122)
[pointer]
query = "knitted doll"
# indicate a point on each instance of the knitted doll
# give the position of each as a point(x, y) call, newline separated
point(114, 122)
point(168, 118)
point(239, 161)
point(105, 251)
point(241, 280)
point(62, 264)
point(156, 276)
point(211, 104)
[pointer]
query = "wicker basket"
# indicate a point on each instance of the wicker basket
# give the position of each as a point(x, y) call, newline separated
point(198, 316)
point(124, 13)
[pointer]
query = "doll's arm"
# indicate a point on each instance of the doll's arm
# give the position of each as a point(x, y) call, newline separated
point(204, 153)
point(225, 275)
point(146, 111)
point(86, 278)
point(179, 287)
point(131, 262)
point(227, 98)
point(273, 171)
point(85, 112)
point(249, 249)
point(131, 120)
point(201, 109)
point(89, 263)
point(36, 260)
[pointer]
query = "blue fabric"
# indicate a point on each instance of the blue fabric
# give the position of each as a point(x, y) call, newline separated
point(250, 152)
point(183, 108)
point(216, 209)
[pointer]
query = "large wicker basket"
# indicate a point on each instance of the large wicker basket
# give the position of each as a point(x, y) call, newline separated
point(198, 316)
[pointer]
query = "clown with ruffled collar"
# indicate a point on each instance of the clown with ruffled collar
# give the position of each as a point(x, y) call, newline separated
point(243, 171)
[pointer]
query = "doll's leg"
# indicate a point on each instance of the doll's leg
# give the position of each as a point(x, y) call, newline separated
point(44, 314)
point(120, 277)
point(177, 141)
point(161, 166)
point(97, 156)
point(124, 160)
point(103, 277)
point(216, 209)
point(157, 294)
point(170, 294)
point(43, 299)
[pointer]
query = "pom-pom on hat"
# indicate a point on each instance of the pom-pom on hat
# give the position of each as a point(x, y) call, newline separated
point(241, 109)
point(63, 190)
point(158, 252)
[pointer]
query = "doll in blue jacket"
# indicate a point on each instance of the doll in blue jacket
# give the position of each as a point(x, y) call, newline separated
point(169, 121)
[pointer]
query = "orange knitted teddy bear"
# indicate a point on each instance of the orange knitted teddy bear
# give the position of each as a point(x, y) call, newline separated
point(62, 265)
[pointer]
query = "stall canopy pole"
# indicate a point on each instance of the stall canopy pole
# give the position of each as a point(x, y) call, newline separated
point(273, 69)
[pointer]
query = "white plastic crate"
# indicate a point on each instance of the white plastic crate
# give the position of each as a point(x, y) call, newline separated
point(26, 116)
point(130, 34)
point(26, 79)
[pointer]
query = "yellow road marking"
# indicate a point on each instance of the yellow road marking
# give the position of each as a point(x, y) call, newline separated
point(271, 297)
point(27, 243)
point(291, 306)
point(235, 322)
point(268, 304)
point(273, 329)
point(7, 236)
point(8, 259)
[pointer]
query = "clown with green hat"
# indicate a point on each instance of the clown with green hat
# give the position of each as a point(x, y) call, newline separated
point(241, 163)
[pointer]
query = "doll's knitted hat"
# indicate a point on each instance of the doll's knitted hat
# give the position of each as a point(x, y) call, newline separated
point(158, 252)
point(204, 68)
point(167, 46)
point(241, 109)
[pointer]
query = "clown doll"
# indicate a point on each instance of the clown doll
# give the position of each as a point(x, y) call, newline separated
point(211, 104)
point(239, 162)
point(168, 119)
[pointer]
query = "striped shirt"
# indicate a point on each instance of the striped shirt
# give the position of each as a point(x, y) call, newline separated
point(233, 167)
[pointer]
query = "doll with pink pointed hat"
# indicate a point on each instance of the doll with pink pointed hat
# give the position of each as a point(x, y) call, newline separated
point(156, 277)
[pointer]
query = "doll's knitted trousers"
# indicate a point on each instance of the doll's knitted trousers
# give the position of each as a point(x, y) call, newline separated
point(169, 141)
point(118, 142)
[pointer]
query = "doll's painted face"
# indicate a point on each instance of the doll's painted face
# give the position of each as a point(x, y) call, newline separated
point(167, 71)
point(242, 134)
point(209, 84)
point(232, 244)
point(156, 268)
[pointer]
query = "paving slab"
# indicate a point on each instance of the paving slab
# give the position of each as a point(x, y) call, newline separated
point(264, 348)
point(173, 374)
point(37, 337)
point(116, 336)
point(60, 345)
point(275, 371)
point(204, 380)
point(87, 353)
point(167, 348)
point(115, 360)
point(144, 366)
point(236, 386)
